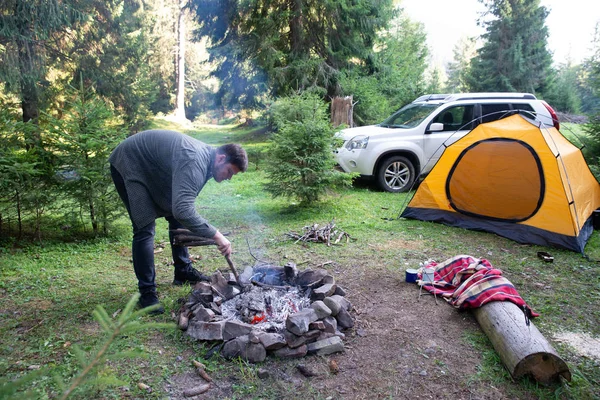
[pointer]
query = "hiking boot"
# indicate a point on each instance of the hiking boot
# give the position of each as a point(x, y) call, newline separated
point(148, 299)
point(189, 275)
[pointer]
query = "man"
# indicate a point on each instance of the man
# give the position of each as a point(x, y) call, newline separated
point(159, 173)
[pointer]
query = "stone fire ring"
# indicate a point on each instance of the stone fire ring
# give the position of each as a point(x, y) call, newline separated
point(315, 329)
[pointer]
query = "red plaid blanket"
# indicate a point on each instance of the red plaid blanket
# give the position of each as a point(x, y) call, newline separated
point(468, 282)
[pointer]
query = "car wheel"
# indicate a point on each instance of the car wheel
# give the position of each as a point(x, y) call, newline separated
point(396, 174)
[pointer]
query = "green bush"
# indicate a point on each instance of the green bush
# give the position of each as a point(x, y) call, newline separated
point(301, 162)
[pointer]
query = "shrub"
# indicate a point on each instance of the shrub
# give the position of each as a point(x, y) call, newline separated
point(301, 162)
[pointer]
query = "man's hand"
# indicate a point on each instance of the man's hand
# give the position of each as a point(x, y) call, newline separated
point(223, 244)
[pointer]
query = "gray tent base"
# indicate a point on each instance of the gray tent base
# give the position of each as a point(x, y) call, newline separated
point(518, 232)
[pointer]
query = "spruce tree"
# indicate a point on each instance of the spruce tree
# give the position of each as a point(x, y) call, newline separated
point(514, 56)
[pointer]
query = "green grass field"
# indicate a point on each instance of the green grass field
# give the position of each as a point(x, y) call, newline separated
point(48, 292)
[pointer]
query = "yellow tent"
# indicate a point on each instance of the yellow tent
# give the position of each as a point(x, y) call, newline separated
point(515, 179)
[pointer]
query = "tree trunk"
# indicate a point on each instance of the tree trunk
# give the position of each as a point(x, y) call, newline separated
point(342, 111)
point(180, 64)
point(522, 349)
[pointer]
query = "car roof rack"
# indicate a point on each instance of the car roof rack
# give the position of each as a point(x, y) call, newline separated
point(475, 96)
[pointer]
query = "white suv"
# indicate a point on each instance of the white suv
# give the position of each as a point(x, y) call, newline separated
point(409, 143)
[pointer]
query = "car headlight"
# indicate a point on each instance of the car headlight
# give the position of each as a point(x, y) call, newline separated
point(357, 142)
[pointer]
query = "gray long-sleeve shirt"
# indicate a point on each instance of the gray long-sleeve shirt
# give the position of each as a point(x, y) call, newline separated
point(164, 172)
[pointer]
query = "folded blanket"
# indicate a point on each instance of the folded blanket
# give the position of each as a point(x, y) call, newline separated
point(468, 282)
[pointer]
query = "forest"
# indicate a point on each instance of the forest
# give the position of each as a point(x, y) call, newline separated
point(76, 77)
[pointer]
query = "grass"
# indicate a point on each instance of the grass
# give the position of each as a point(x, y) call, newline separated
point(48, 292)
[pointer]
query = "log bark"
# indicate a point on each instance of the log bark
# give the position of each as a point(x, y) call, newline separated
point(522, 349)
point(342, 110)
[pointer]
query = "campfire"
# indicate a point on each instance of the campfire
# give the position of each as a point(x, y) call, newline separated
point(271, 310)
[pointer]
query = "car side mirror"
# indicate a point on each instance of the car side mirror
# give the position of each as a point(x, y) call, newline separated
point(436, 127)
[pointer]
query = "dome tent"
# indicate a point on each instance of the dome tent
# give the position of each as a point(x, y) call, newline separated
point(515, 179)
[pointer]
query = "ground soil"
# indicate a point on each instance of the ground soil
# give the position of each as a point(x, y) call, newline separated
point(403, 347)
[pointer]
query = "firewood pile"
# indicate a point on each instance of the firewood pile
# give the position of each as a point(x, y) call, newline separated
point(184, 237)
point(327, 234)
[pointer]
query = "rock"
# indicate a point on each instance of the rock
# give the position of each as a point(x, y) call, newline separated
point(304, 370)
point(202, 293)
point(344, 303)
point(262, 373)
point(310, 277)
point(205, 330)
point(321, 309)
point(242, 347)
point(203, 314)
point(311, 336)
point(317, 325)
point(246, 275)
point(221, 287)
point(322, 291)
point(331, 324)
point(291, 272)
point(271, 341)
point(327, 346)
point(293, 340)
point(344, 319)
point(286, 352)
point(298, 323)
point(334, 305)
point(340, 291)
point(233, 329)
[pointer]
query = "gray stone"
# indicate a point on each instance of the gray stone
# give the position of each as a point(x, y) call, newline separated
point(298, 323)
point(286, 352)
point(221, 287)
point(321, 309)
point(254, 337)
point(322, 291)
point(215, 308)
point(310, 277)
point(317, 325)
point(333, 305)
point(292, 340)
point(263, 373)
point(343, 301)
point(325, 335)
point(340, 291)
point(327, 346)
point(291, 272)
point(202, 293)
point(330, 324)
point(271, 341)
point(246, 275)
point(344, 319)
point(205, 330)
point(327, 279)
point(244, 348)
point(202, 313)
point(311, 336)
point(233, 329)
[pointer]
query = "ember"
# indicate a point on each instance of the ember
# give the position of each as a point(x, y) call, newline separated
point(281, 311)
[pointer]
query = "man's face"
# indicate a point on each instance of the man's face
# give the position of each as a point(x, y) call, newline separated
point(223, 171)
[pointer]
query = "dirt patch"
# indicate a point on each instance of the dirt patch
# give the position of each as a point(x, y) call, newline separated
point(583, 343)
point(400, 244)
point(402, 347)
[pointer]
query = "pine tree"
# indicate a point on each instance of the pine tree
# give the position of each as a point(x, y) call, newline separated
point(288, 45)
point(514, 56)
point(458, 69)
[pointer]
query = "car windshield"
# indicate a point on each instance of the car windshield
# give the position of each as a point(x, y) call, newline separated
point(409, 116)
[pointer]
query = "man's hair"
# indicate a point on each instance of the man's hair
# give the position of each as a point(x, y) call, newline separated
point(235, 155)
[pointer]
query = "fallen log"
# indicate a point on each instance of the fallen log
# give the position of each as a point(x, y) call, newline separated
point(522, 348)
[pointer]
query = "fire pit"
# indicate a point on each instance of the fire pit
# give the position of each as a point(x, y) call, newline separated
point(278, 310)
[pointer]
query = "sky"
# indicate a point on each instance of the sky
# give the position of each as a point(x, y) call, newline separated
point(570, 25)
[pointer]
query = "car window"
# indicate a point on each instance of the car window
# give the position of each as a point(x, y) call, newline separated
point(456, 118)
point(409, 116)
point(493, 112)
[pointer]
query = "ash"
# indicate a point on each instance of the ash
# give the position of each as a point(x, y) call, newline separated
point(266, 309)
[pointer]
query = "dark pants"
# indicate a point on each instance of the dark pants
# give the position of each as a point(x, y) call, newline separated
point(142, 247)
